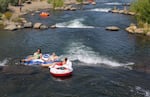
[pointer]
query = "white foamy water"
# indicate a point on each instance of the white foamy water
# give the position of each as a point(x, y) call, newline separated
point(101, 9)
point(78, 51)
point(113, 3)
point(76, 23)
point(4, 62)
point(144, 92)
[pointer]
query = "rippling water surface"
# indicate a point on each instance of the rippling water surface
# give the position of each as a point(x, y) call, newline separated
point(106, 64)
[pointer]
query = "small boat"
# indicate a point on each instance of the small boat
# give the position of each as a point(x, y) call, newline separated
point(61, 70)
point(44, 14)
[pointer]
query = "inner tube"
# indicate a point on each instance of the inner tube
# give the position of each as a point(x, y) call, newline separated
point(44, 14)
point(40, 61)
point(45, 56)
point(34, 62)
point(62, 70)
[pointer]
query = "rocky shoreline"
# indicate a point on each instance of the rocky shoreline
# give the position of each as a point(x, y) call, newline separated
point(35, 7)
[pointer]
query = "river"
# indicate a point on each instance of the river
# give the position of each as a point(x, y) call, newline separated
point(106, 64)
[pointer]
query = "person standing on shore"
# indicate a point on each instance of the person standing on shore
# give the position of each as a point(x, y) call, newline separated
point(20, 5)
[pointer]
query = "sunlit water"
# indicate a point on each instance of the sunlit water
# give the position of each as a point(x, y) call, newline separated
point(106, 64)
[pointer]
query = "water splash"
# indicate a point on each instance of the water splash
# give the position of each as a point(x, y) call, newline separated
point(145, 93)
point(101, 9)
point(76, 23)
point(3, 63)
point(82, 53)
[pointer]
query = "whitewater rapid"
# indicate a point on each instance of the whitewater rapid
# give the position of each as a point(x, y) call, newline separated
point(78, 51)
point(76, 23)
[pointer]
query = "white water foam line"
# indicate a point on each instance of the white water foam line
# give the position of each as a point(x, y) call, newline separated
point(4, 62)
point(144, 92)
point(114, 3)
point(76, 23)
point(78, 51)
point(100, 9)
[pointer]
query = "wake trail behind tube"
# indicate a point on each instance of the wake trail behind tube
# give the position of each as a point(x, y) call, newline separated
point(76, 23)
point(78, 51)
point(142, 91)
point(4, 62)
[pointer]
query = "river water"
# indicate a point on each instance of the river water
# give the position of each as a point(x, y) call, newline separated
point(106, 64)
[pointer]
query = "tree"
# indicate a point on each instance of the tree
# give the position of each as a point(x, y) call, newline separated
point(142, 8)
point(3, 5)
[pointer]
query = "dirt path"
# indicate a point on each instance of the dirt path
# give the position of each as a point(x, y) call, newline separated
point(35, 5)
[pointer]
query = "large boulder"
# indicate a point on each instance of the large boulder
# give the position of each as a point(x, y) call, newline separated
point(139, 31)
point(37, 25)
point(131, 28)
point(73, 9)
point(23, 20)
point(112, 28)
point(11, 27)
point(114, 11)
point(148, 33)
point(94, 3)
point(43, 27)
point(53, 26)
point(86, 3)
point(28, 25)
point(131, 13)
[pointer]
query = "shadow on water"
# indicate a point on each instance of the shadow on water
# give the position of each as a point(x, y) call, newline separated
point(62, 78)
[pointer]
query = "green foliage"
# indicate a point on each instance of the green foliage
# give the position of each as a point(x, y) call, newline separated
point(3, 5)
point(56, 3)
point(1, 16)
point(79, 1)
point(18, 20)
point(8, 15)
point(13, 2)
point(1, 25)
point(16, 2)
point(142, 8)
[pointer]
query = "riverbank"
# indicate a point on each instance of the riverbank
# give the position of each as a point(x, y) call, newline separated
point(16, 22)
point(28, 7)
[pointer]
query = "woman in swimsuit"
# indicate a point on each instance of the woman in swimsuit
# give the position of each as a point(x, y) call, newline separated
point(36, 55)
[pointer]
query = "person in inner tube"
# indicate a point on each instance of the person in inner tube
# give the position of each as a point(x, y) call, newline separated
point(36, 55)
point(62, 63)
point(52, 58)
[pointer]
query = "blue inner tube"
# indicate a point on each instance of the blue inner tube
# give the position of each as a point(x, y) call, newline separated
point(39, 61)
